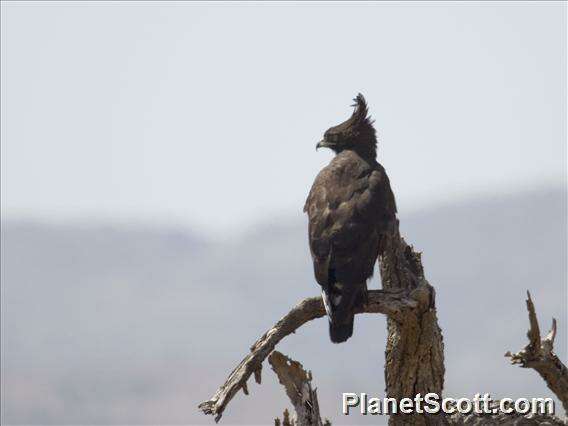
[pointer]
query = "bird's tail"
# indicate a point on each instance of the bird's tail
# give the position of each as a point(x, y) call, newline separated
point(340, 332)
point(340, 302)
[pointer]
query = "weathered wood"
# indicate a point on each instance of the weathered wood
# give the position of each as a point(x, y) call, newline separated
point(539, 355)
point(391, 302)
point(414, 355)
point(298, 385)
point(285, 419)
point(415, 349)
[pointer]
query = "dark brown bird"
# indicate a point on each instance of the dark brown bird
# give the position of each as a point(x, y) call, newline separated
point(349, 207)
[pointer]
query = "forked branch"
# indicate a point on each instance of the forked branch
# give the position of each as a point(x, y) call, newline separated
point(298, 385)
point(539, 355)
point(389, 302)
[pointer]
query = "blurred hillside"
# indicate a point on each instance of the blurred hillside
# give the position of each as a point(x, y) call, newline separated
point(107, 324)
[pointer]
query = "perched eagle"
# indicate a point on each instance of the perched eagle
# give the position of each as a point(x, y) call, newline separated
point(349, 207)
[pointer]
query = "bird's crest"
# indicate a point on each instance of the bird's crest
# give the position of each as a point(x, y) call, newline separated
point(360, 114)
point(360, 117)
point(357, 132)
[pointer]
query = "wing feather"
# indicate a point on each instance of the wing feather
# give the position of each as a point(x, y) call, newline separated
point(349, 205)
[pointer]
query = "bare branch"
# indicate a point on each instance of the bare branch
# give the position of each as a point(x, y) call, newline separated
point(414, 355)
point(534, 331)
point(539, 355)
point(285, 420)
point(298, 385)
point(389, 302)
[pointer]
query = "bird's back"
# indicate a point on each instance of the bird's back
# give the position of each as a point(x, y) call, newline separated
point(348, 206)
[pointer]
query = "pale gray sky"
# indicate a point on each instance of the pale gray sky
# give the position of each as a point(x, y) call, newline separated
point(208, 114)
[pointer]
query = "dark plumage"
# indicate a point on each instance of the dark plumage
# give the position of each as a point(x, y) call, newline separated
point(349, 206)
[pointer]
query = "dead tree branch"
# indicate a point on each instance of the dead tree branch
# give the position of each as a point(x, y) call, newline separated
point(414, 356)
point(390, 302)
point(298, 385)
point(415, 349)
point(539, 355)
point(285, 419)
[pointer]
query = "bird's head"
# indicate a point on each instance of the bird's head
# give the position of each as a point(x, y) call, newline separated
point(356, 133)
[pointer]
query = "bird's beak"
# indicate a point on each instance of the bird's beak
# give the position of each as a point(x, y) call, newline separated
point(321, 144)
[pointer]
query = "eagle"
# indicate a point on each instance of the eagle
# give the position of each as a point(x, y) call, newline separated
point(350, 208)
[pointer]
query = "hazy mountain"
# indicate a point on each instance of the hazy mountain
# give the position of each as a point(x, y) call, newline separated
point(130, 325)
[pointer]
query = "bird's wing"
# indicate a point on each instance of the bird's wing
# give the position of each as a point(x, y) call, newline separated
point(349, 204)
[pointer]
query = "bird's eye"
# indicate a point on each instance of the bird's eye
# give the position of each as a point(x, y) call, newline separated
point(333, 137)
